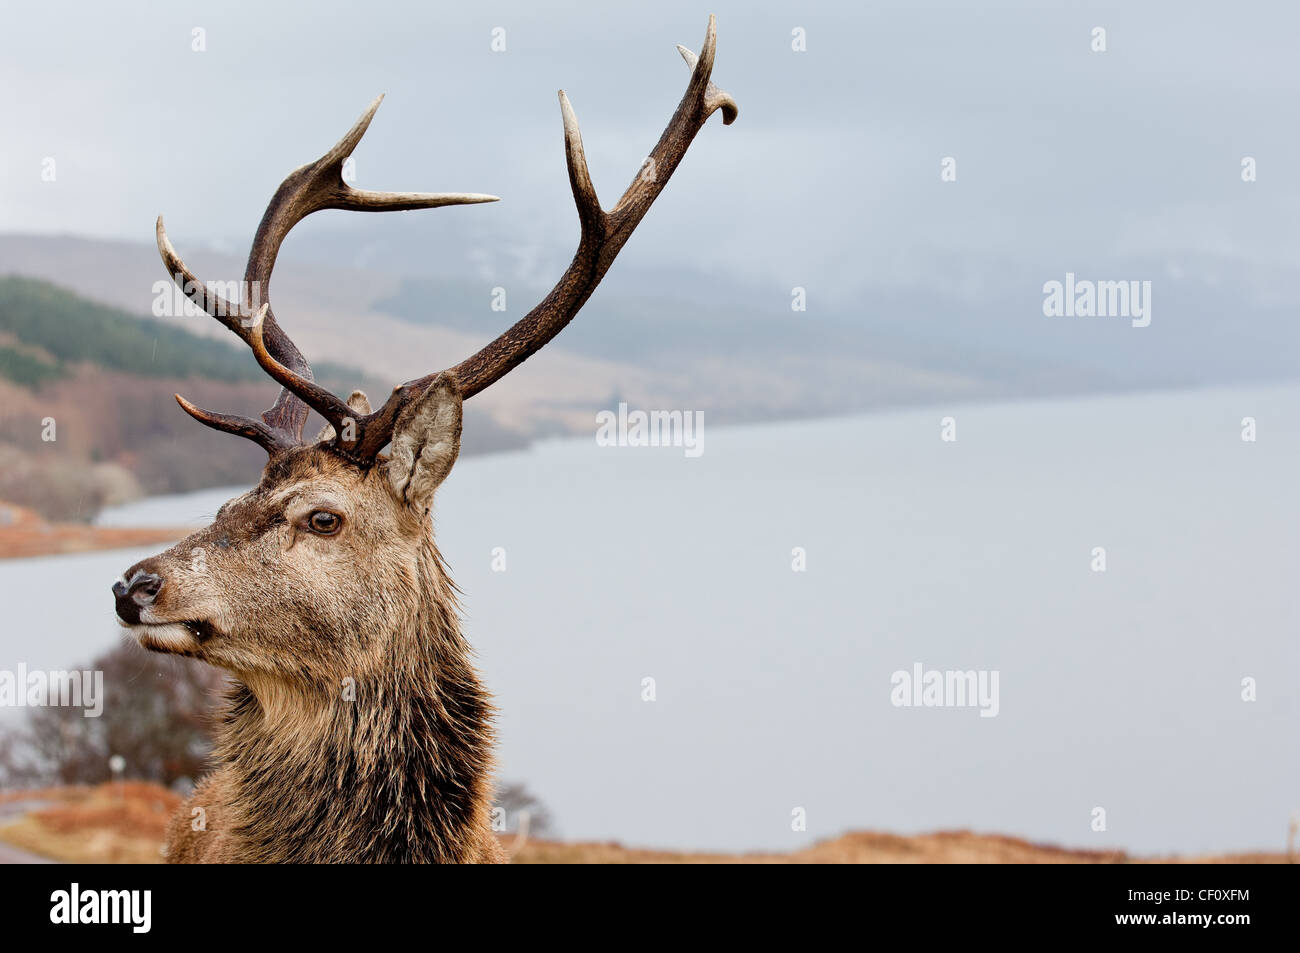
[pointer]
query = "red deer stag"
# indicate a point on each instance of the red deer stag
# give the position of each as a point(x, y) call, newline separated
point(356, 729)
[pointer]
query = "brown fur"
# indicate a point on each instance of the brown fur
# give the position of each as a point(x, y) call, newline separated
point(357, 730)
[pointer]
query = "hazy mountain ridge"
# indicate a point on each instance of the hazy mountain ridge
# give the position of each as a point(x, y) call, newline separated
point(727, 345)
point(734, 349)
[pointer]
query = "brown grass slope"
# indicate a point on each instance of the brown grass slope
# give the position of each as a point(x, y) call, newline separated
point(125, 823)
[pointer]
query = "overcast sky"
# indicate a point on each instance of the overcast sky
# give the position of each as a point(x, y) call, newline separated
point(830, 179)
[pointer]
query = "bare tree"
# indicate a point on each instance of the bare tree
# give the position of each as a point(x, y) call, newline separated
point(156, 715)
point(524, 809)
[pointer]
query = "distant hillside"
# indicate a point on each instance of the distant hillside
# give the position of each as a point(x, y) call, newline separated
point(731, 348)
point(58, 330)
point(331, 313)
point(105, 379)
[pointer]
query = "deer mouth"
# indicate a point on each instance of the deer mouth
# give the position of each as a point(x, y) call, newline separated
point(174, 637)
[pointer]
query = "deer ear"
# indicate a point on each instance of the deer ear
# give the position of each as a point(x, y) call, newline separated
point(360, 405)
point(426, 442)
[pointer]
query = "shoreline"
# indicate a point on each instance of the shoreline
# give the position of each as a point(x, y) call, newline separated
point(25, 535)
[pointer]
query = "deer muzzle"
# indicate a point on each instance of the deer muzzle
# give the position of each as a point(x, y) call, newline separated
point(136, 593)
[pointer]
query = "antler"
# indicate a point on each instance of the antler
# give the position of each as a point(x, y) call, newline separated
point(318, 185)
point(603, 234)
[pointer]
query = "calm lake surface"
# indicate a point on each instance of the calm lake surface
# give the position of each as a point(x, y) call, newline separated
point(1119, 689)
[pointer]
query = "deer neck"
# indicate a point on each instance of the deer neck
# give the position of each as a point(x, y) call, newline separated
point(394, 767)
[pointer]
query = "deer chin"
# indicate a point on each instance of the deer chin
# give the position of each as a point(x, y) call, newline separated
point(177, 638)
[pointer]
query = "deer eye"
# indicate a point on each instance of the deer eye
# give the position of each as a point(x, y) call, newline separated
point(324, 522)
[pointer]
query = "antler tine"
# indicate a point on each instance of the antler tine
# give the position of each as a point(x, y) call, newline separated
point(225, 311)
point(603, 236)
point(590, 214)
point(311, 188)
point(316, 397)
point(714, 98)
point(320, 185)
point(272, 441)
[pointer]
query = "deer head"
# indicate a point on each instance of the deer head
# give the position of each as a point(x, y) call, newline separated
point(311, 575)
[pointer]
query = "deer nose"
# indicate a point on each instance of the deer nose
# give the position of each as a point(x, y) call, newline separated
point(135, 594)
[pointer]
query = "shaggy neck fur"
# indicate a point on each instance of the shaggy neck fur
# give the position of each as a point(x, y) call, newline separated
point(400, 774)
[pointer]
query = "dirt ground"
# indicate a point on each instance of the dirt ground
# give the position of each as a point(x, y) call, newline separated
point(125, 823)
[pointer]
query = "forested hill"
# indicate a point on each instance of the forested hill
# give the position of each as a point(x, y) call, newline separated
point(48, 330)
